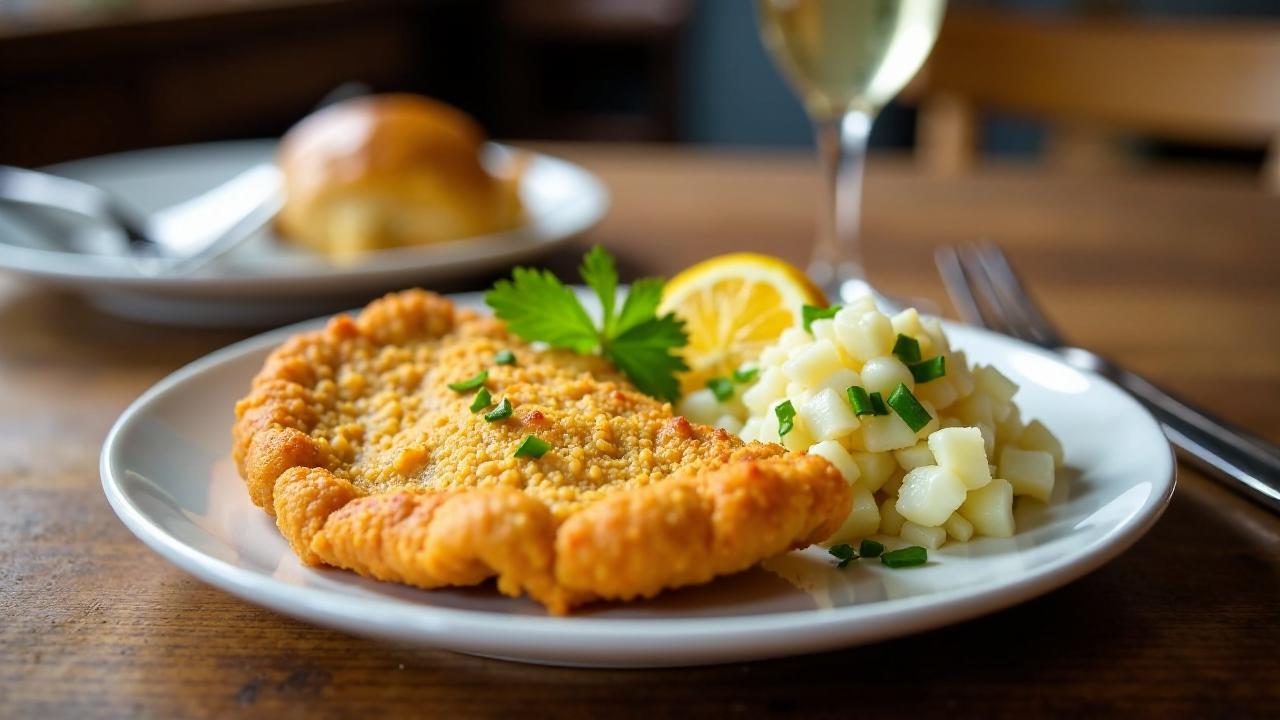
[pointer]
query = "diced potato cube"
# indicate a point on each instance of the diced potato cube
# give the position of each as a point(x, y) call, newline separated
point(990, 509)
point(827, 415)
point(962, 451)
point(853, 442)
point(958, 528)
point(1010, 427)
point(835, 454)
point(890, 521)
point(917, 455)
point(933, 326)
point(810, 365)
point(907, 322)
point(991, 381)
point(730, 423)
point(929, 495)
point(934, 423)
point(958, 373)
point(840, 381)
point(882, 374)
point(750, 431)
point(940, 393)
point(975, 409)
point(881, 433)
point(1000, 411)
point(1035, 436)
point(930, 537)
point(988, 437)
point(823, 329)
point(1030, 472)
point(700, 406)
point(859, 306)
point(863, 519)
point(865, 335)
point(771, 386)
point(950, 422)
point(793, 337)
point(876, 469)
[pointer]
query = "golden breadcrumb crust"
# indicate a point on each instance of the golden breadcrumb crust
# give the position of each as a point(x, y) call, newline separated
point(352, 439)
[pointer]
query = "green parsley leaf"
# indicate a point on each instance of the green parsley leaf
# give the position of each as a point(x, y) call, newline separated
point(482, 400)
point(600, 273)
point(643, 353)
point(809, 313)
point(640, 306)
point(470, 383)
point(502, 412)
point(741, 376)
point(721, 388)
point(870, 549)
point(786, 414)
point(504, 357)
point(538, 307)
point(844, 553)
point(533, 447)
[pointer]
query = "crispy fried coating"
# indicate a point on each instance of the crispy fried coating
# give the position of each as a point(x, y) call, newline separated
point(352, 439)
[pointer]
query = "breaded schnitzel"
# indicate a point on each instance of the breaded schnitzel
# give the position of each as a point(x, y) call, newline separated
point(353, 440)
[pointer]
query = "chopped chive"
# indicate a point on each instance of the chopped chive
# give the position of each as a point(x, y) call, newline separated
point(906, 557)
point(843, 553)
point(786, 414)
point(860, 401)
point(470, 383)
point(877, 404)
point(908, 408)
point(482, 400)
point(930, 369)
point(745, 376)
point(809, 313)
point(504, 357)
point(907, 349)
point(532, 447)
point(502, 412)
point(870, 548)
point(721, 388)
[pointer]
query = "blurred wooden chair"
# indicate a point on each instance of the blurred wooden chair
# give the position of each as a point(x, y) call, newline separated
point(1094, 80)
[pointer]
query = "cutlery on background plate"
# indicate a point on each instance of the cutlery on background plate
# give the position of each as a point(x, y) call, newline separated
point(986, 292)
point(173, 241)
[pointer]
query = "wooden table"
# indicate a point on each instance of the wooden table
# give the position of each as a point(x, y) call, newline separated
point(1176, 276)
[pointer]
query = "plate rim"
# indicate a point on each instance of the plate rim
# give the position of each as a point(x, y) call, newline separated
point(719, 638)
point(515, 244)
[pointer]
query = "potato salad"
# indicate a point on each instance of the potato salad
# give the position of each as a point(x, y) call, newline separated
point(935, 450)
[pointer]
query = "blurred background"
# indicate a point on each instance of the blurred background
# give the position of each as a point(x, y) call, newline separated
point(1099, 84)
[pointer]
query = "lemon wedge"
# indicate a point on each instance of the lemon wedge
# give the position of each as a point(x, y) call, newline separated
point(734, 306)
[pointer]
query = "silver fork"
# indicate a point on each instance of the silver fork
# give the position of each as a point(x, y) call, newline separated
point(987, 292)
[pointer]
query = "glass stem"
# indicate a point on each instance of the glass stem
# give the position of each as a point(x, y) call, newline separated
point(837, 257)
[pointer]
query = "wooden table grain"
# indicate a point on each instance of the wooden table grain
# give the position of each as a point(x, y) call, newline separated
point(1175, 275)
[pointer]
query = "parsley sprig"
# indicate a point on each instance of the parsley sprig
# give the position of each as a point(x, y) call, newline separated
point(539, 308)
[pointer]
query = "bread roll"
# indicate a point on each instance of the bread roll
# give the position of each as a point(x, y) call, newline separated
point(386, 171)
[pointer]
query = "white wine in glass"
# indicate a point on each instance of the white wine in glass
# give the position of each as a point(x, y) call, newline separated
point(846, 59)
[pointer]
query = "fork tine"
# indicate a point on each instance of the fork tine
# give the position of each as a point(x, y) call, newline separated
point(1015, 299)
point(993, 311)
point(957, 285)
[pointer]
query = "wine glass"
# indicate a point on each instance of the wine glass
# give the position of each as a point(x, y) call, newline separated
point(846, 59)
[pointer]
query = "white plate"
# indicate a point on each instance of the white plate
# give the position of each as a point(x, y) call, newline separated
point(167, 471)
point(266, 281)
